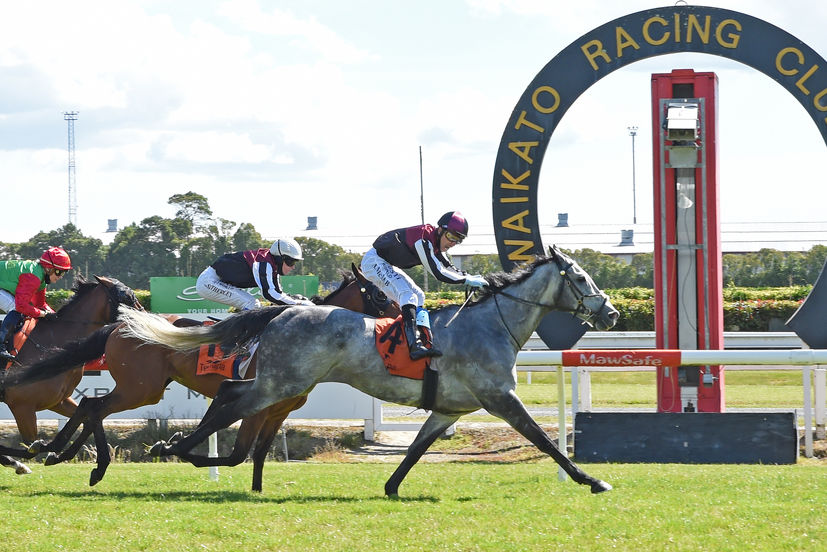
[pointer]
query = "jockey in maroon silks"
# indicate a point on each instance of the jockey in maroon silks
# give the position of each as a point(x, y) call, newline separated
point(424, 245)
point(224, 281)
point(23, 291)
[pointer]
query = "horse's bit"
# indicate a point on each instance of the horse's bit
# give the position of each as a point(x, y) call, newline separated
point(590, 314)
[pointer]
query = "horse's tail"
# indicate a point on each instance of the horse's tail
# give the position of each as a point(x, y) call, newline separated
point(63, 359)
point(232, 332)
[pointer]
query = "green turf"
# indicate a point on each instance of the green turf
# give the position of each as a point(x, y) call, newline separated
point(461, 507)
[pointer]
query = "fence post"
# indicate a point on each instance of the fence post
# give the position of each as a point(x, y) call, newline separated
point(808, 412)
point(820, 392)
point(213, 449)
point(561, 418)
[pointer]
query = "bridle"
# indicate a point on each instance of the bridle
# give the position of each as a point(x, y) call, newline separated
point(374, 299)
point(118, 294)
point(589, 315)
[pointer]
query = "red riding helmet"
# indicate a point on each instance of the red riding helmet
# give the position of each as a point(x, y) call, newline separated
point(56, 257)
point(455, 222)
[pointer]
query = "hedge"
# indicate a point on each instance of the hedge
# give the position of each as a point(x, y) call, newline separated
point(745, 309)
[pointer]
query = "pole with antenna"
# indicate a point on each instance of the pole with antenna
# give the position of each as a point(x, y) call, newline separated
point(422, 214)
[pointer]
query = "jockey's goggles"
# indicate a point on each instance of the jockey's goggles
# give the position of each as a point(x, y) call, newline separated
point(289, 261)
point(453, 237)
point(58, 272)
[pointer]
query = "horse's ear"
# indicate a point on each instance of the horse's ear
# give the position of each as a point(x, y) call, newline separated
point(357, 272)
point(552, 251)
point(103, 280)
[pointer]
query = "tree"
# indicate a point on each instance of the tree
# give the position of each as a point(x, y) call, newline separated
point(324, 260)
point(246, 237)
point(194, 208)
point(87, 254)
point(142, 251)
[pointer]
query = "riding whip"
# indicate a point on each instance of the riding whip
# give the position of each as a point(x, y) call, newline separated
point(458, 310)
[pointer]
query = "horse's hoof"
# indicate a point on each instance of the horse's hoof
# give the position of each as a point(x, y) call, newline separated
point(51, 459)
point(156, 449)
point(95, 478)
point(600, 486)
point(22, 469)
point(36, 447)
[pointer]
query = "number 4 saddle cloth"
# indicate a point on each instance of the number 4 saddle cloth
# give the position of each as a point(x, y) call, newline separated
point(393, 348)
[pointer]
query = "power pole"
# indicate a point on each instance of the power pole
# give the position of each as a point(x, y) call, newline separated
point(633, 132)
point(422, 215)
point(70, 117)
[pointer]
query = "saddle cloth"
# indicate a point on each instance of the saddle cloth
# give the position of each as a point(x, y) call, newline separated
point(96, 365)
point(393, 348)
point(212, 360)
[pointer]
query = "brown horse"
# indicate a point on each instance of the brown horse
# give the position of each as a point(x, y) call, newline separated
point(142, 371)
point(93, 305)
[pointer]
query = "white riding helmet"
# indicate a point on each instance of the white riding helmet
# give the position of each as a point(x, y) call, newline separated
point(287, 247)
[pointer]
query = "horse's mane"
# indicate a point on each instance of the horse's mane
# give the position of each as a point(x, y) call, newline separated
point(501, 280)
point(347, 278)
point(81, 288)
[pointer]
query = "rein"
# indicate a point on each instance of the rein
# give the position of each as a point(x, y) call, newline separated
point(566, 281)
point(115, 298)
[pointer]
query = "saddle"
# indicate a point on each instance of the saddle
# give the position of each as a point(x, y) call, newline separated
point(20, 336)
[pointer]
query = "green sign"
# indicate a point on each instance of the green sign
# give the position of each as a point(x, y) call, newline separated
point(178, 295)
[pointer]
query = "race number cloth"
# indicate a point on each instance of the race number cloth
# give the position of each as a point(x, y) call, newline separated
point(96, 365)
point(211, 360)
point(393, 348)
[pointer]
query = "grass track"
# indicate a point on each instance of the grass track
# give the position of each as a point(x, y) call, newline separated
point(463, 507)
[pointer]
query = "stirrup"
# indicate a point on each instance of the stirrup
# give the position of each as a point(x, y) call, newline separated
point(5, 355)
point(419, 351)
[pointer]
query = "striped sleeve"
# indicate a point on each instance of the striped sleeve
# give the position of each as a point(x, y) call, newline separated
point(268, 282)
point(441, 271)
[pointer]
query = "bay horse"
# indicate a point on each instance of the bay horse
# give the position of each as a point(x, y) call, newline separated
point(93, 305)
point(303, 347)
point(142, 372)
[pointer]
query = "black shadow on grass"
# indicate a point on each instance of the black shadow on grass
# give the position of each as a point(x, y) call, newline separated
point(222, 496)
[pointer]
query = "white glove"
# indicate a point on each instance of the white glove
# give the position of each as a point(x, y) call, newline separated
point(475, 281)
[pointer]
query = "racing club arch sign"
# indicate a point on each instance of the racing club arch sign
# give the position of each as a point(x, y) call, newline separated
point(737, 36)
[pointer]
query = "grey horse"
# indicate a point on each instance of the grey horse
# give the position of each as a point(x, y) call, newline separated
point(304, 346)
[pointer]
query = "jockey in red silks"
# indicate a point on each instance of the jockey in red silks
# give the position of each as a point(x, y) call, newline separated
point(224, 280)
point(23, 291)
point(407, 247)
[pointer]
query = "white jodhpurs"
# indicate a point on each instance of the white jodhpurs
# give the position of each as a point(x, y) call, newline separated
point(210, 286)
point(6, 301)
point(392, 280)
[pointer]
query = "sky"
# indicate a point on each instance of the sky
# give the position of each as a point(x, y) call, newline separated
point(277, 111)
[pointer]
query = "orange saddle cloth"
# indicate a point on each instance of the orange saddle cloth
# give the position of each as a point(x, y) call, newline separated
point(211, 360)
point(393, 348)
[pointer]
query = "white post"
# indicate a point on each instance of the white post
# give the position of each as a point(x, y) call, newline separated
point(575, 392)
point(820, 392)
point(213, 452)
point(808, 413)
point(585, 388)
point(561, 417)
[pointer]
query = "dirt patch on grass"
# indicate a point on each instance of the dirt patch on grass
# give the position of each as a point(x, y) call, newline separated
point(335, 442)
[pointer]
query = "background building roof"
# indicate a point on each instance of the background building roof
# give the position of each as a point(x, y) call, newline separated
point(736, 237)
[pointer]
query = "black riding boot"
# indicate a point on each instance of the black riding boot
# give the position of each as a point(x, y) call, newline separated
point(417, 349)
point(7, 329)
